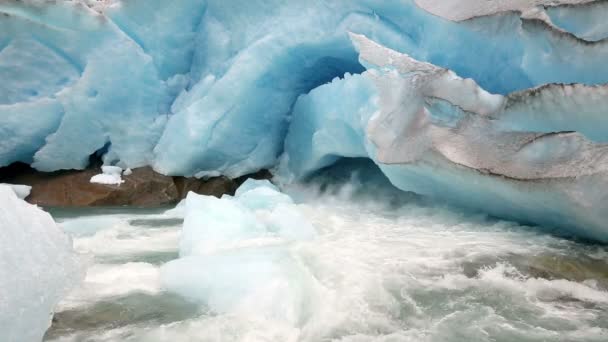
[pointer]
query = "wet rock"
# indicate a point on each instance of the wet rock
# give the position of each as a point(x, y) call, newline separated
point(142, 188)
point(210, 187)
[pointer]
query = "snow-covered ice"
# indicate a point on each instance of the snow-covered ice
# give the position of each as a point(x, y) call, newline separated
point(111, 175)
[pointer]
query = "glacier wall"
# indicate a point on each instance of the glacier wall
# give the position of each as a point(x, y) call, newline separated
point(436, 134)
point(206, 87)
point(212, 87)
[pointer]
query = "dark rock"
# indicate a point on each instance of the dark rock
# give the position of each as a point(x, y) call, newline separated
point(211, 187)
point(143, 188)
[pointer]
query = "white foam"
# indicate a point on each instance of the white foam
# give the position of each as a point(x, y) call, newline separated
point(370, 273)
point(106, 281)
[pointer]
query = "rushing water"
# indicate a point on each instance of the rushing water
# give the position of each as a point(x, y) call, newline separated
point(383, 268)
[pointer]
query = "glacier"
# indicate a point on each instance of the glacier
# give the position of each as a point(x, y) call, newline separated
point(213, 82)
point(434, 133)
point(37, 267)
point(209, 87)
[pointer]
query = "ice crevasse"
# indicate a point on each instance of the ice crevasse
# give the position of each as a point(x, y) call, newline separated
point(208, 87)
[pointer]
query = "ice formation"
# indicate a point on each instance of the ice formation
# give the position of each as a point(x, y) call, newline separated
point(110, 176)
point(207, 86)
point(436, 134)
point(37, 267)
point(466, 9)
point(210, 87)
point(233, 252)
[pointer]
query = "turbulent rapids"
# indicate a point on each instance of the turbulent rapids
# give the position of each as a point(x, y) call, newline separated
point(437, 170)
point(382, 267)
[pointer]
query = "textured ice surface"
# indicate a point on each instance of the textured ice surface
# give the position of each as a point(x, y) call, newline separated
point(434, 133)
point(91, 85)
point(234, 252)
point(37, 268)
point(466, 9)
point(587, 22)
point(207, 87)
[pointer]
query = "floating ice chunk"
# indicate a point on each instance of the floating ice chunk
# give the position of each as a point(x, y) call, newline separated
point(37, 268)
point(287, 221)
point(263, 198)
point(267, 280)
point(110, 176)
point(235, 256)
point(212, 224)
point(127, 172)
point(179, 211)
point(22, 191)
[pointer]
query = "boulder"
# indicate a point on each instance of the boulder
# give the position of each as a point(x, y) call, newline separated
point(142, 188)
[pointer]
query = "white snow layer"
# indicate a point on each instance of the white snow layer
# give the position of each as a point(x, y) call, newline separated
point(110, 176)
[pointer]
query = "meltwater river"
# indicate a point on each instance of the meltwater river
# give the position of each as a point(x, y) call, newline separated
point(383, 268)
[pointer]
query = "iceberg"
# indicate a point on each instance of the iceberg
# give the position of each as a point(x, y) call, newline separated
point(37, 268)
point(235, 251)
point(436, 134)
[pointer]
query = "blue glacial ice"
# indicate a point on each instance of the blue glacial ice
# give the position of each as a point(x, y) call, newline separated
point(436, 134)
point(234, 255)
point(37, 267)
point(202, 87)
point(587, 22)
point(212, 87)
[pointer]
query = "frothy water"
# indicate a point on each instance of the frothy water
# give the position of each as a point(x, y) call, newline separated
point(408, 271)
